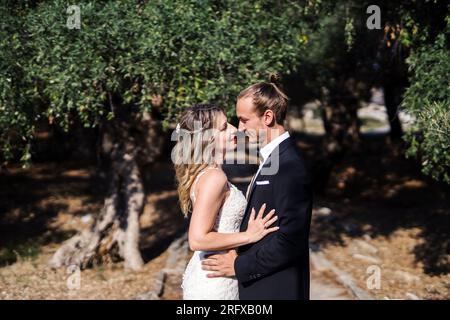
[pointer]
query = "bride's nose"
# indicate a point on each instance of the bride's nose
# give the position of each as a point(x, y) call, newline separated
point(232, 129)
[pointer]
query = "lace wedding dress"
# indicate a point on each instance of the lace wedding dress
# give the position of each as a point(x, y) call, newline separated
point(196, 285)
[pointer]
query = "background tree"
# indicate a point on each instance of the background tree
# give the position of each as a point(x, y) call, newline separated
point(128, 71)
point(344, 59)
point(338, 71)
point(427, 99)
point(416, 38)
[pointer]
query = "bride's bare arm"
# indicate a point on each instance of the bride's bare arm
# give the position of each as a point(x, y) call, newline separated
point(210, 194)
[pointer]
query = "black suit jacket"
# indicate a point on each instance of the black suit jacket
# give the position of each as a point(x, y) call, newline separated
point(277, 267)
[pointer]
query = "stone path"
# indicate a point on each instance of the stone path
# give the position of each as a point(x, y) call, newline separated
point(325, 288)
point(324, 284)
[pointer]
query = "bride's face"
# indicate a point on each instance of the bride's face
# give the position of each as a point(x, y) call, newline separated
point(225, 136)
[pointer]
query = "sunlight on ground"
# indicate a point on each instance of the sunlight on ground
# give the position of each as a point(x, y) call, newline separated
point(373, 116)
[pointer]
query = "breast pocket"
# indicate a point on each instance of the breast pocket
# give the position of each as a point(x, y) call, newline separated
point(263, 190)
point(264, 193)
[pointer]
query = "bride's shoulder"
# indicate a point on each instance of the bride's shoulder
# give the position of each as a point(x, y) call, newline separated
point(213, 177)
point(211, 183)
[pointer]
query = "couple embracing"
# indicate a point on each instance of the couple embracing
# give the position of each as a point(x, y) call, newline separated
point(253, 246)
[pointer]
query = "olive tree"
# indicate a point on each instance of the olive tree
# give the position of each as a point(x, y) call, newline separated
point(129, 69)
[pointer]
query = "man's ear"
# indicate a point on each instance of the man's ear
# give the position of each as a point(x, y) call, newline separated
point(269, 118)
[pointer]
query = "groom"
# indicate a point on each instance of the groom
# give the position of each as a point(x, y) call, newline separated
point(276, 267)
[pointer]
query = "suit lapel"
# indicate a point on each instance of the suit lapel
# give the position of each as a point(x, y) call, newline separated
point(280, 149)
point(252, 186)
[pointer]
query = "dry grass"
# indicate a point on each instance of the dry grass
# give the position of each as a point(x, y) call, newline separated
point(32, 279)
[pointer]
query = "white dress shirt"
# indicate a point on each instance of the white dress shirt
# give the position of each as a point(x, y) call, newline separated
point(268, 148)
point(265, 153)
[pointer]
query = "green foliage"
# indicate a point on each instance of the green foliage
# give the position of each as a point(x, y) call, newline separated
point(339, 47)
point(187, 51)
point(183, 51)
point(427, 99)
point(16, 120)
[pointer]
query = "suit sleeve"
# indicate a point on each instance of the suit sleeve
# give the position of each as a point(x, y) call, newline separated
point(293, 199)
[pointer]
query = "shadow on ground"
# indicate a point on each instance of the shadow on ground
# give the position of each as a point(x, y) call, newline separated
point(31, 199)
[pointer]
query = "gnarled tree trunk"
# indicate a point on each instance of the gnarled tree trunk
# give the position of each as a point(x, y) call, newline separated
point(130, 141)
point(340, 119)
point(339, 112)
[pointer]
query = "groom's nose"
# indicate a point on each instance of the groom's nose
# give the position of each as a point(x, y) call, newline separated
point(241, 127)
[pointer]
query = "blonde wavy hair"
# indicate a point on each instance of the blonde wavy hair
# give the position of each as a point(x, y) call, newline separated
point(194, 149)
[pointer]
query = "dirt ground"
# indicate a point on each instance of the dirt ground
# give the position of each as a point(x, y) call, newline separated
point(379, 213)
point(377, 210)
point(48, 203)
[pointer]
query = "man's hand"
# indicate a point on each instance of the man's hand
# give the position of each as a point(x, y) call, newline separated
point(222, 264)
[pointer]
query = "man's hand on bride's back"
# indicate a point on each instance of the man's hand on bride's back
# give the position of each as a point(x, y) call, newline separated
point(258, 226)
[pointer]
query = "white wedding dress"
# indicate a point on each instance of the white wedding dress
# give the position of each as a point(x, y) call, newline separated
point(196, 285)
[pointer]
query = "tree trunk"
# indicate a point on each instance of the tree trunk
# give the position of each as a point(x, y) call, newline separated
point(342, 134)
point(341, 127)
point(115, 232)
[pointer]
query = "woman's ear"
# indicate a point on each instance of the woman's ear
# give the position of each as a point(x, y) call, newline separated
point(269, 118)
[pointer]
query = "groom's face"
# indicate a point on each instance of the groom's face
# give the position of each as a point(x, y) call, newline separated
point(250, 122)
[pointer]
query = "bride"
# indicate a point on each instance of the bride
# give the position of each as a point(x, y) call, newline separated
point(216, 206)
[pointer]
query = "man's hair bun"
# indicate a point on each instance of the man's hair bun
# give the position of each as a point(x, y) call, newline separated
point(274, 77)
